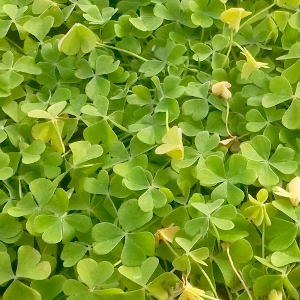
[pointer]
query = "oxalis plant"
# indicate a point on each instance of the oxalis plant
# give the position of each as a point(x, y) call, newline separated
point(149, 149)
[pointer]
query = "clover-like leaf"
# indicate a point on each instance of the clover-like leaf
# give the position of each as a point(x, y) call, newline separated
point(72, 253)
point(5, 267)
point(236, 172)
point(93, 274)
point(280, 234)
point(83, 152)
point(39, 27)
point(19, 290)
point(137, 247)
point(49, 288)
point(30, 264)
point(131, 208)
point(281, 91)
point(11, 229)
point(204, 12)
point(211, 213)
point(107, 236)
point(140, 275)
point(42, 189)
point(78, 38)
point(257, 151)
point(5, 170)
point(137, 179)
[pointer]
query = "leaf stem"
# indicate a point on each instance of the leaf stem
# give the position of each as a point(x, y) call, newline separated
point(147, 225)
point(208, 279)
point(117, 263)
point(238, 45)
point(122, 50)
point(167, 120)
point(14, 44)
point(188, 68)
point(263, 240)
point(228, 292)
point(169, 246)
point(118, 125)
point(217, 234)
point(226, 119)
point(229, 49)
point(208, 297)
point(237, 274)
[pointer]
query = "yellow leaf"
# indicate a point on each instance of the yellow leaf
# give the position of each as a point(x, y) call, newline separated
point(172, 144)
point(233, 17)
point(222, 89)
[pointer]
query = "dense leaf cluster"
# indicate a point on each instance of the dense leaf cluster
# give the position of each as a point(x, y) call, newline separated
point(124, 175)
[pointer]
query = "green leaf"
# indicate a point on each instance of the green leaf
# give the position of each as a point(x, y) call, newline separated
point(5, 267)
point(152, 198)
point(141, 95)
point(106, 236)
point(49, 288)
point(42, 189)
point(97, 87)
point(280, 259)
point(137, 247)
point(152, 67)
point(127, 210)
point(281, 91)
point(39, 27)
point(99, 185)
point(280, 234)
point(26, 64)
point(140, 275)
point(50, 226)
point(78, 38)
point(241, 251)
point(29, 265)
point(202, 51)
point(136, 179)
point(18, 290)
point(225, 268)
point(72, 253)
point(93, 274)
point(10, 228)
point(105, 64)
point(289, 119)
point(83, 152)
point(264, 284)
point(236, 172)
point(258, 151)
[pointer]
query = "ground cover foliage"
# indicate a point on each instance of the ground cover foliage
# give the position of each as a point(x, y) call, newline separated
point(149, 149)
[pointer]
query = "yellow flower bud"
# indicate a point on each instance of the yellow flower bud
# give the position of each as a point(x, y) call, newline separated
point(222, 89)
